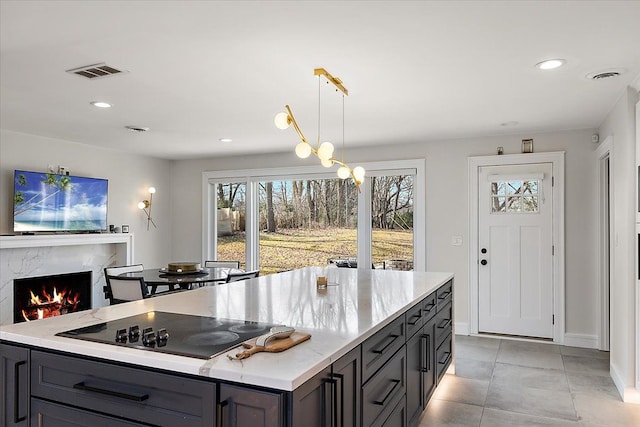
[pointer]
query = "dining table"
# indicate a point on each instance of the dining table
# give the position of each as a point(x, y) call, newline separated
point(155, 277)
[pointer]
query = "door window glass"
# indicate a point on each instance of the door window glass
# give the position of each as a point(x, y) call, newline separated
point(515, 196)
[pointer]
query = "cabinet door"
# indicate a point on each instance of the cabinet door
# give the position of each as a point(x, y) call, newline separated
point(313, 402)
point(245, 407)
point(14, 378)
point(429, 363)
point(416, 348)
point(346, 373)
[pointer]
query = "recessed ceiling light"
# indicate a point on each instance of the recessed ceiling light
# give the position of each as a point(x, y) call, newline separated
point(509, 124)
point(225, 139)
point(551, 64)
point(101, 104)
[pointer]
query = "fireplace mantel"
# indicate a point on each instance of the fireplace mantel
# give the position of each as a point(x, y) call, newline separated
point(45, 254)
point(44, 240)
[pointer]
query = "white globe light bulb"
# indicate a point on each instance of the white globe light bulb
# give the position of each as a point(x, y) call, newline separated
point(282, 120)
point(358, 173)
point(152, 190)
point(303, 150)
point(325, 151)
point(343, 172)
point(141, 205)
point(327, 163)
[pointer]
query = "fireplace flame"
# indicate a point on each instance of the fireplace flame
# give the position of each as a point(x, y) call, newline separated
point(48, 305)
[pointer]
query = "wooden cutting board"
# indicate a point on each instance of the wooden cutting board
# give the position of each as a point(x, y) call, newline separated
point(273, 346)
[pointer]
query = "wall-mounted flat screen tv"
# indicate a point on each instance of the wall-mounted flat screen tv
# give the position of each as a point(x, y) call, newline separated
point(47, 202)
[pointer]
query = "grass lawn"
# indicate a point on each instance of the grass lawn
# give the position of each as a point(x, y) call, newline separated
point(294, 248)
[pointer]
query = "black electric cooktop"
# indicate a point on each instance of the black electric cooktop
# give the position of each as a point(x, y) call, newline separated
point(180, 334)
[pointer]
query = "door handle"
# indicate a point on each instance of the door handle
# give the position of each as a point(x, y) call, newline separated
point(483, 262)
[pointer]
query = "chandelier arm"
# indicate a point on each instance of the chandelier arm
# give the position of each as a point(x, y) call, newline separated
point(341, 163)
point(295, 125)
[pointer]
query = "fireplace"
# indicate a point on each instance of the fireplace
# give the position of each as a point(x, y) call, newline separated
point(47, 296)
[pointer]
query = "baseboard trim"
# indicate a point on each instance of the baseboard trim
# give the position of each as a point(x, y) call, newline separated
point(628, 394)
point(581, 340)
point(461, 328)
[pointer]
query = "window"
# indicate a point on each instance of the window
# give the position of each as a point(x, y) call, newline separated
point(230, 222)
point(289, 218)
point(392, 221)
point(514, 196)
point(306, 222)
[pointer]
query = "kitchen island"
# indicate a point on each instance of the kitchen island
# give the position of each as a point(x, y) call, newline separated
point(368, 327)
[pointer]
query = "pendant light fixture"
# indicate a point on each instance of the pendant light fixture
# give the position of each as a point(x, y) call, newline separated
point(325, 150)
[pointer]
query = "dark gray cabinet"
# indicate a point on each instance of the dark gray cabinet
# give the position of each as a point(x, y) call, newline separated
point(49, 414)
point(421, 379)
point(243, 407)
point(382, 392)
point(429, 350)
point(377, 349)
point(312, 403)
point(14, 379)
point(346, 374)
point(124, 392)
point(386, 381)
point(331, 397)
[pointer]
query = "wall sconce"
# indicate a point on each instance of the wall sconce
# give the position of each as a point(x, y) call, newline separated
point(145, 206)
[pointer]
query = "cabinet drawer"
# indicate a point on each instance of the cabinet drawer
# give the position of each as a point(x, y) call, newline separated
point(398, 416)
point(429, 306)
point(377, 349)
point(443, 357)
point(444, 320)
point(53, 415)
point(383, 391)
point(444, 294)
point(415, 319)
point(130, 393)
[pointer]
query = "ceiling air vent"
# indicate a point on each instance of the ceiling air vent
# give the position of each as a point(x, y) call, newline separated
point(95, 71)
point(606, 74)
point(136, 129)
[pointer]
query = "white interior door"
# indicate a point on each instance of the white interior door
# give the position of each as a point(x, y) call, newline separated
point(515, 238)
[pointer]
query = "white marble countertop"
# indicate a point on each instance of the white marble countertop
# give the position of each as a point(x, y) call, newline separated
point(357, 304)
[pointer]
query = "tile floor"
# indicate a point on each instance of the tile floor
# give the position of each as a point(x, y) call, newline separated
point(515, 383)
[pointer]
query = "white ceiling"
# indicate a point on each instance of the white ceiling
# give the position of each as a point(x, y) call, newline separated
point(416, 71)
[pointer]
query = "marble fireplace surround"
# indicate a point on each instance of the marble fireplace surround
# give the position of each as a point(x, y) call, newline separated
point(40, 255)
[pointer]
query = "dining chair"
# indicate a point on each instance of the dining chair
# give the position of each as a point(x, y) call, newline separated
point(124, 289)
point(234, 277)
point(222, 264)
point(115, 271)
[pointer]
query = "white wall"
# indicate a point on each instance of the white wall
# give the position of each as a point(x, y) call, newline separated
point(620, 125)
point(178, 203)
point(447, 207)
point(129, 177)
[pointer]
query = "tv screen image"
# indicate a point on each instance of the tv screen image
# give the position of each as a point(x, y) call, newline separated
point(52, 202)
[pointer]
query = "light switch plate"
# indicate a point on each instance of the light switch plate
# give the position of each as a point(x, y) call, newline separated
point(456, 240)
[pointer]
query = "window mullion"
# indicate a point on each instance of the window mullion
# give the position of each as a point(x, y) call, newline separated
point(364, 224)
point(252, 226)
